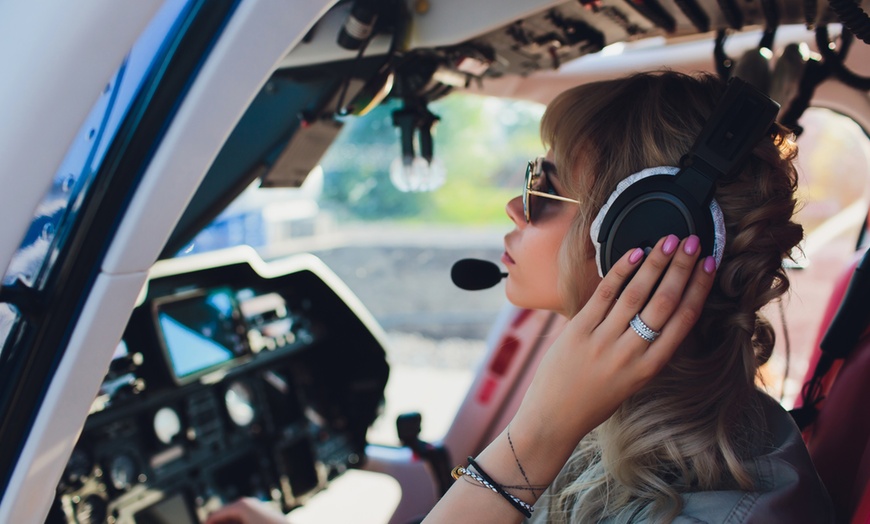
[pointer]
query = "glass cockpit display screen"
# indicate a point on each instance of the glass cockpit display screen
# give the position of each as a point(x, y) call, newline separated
point(201, 331)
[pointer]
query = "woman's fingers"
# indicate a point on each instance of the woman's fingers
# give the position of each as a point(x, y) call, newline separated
point(678, 259)
point(669, 257)
point(681, 321)
point(247, 511)
point(614, 303)
point(608, 290)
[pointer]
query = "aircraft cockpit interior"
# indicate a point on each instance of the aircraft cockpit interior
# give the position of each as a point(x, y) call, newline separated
point(193, 370)
point(232, 380)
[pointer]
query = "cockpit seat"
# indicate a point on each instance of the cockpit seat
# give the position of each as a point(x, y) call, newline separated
point(834, 408)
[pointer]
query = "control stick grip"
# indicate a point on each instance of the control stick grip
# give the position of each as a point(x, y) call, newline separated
point(408, 427)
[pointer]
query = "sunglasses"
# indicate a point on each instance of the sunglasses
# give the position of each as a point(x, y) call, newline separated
point(537, 185)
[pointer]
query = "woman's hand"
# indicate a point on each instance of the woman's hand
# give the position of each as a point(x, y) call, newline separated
point(599, 360)
point(246, 511)
point(596, 363)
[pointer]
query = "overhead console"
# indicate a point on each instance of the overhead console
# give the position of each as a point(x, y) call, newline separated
point(234, 378)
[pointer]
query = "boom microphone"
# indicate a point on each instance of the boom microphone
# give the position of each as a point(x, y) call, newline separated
point(473, 274)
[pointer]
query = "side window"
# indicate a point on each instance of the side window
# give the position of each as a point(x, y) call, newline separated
point(834, 194)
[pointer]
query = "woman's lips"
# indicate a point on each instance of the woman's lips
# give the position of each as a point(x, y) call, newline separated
point(506, 259)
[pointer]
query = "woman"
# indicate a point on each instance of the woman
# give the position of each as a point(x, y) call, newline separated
point(653, 418)
point(693, 441)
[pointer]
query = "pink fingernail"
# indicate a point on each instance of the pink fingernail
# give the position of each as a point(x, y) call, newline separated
point(709, 265)
point(670, 244)
point(636, 255)
point(692, 244)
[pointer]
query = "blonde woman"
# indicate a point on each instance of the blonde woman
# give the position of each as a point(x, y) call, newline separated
point(645, 409)
point(698, 442)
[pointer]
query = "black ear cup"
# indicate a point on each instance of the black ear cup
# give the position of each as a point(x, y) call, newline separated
point(647, 210)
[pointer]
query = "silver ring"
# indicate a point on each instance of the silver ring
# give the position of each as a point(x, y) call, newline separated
point(643, 331)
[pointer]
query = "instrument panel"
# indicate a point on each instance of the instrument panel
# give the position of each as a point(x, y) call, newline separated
point(235, 378)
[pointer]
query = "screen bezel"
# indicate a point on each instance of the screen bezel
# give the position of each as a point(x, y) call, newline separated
point(159, 304)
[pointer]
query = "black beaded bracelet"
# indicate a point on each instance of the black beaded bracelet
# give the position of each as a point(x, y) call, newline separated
point(459, 471)
point(523, 507)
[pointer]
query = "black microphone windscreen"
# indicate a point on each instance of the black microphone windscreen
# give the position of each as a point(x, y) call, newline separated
point(473, 274)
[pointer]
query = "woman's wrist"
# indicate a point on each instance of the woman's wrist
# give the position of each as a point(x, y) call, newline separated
point(540, 445)
point(526, 457)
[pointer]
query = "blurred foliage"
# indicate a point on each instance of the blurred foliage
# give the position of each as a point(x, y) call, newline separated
point(357, 182)
point(484, 144)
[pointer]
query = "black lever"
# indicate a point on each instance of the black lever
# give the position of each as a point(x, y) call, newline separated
point(408, 426)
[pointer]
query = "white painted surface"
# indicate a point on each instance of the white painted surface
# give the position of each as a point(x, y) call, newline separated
point(57, 56)
point(361, 497)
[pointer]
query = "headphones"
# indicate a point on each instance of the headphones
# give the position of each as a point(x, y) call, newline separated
point(660, 201)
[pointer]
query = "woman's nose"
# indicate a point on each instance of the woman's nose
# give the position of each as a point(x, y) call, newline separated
point(514, 209)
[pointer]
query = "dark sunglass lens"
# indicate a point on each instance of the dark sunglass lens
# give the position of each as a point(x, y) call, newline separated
point(539, 183)
point(526, 196)
point(543, 181)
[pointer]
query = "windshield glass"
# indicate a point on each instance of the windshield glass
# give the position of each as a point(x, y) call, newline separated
point(394, 247)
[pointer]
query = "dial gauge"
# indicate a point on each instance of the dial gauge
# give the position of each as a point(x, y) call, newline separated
point(167, 424)
point(240, 404)
point(123, 472)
